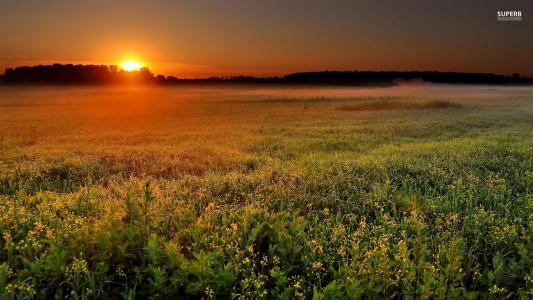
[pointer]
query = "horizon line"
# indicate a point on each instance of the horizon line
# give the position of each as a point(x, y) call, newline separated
point(222, 76)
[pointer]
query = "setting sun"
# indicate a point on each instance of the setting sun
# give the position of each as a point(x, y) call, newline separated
point(131, 65)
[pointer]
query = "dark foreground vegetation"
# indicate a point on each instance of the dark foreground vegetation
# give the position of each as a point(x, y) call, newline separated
point(102, 74)
point(161, 194)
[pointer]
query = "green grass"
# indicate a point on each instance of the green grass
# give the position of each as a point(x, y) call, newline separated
point(176, 193)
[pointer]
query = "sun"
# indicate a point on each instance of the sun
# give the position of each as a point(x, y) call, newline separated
point(131, 65)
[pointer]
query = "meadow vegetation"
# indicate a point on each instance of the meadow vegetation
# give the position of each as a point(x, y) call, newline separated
point(168, 193)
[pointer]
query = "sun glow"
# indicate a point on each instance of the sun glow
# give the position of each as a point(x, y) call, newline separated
point(130, 65)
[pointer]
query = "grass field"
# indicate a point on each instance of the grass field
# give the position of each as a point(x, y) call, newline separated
point(266, 193)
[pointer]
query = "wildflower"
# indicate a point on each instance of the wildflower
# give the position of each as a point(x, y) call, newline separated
point(39, 226)
point(297, 285)
point(210, 208)
point(341, 251)
point(496, 290)
point(120, 272)
point(317, 265)
point(49, 233)
point(209, 293)
point(258, 283)
point(7, 236)
point(78, 266)
point(264, 261)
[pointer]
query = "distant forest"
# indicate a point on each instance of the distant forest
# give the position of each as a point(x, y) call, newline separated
point(103, 74)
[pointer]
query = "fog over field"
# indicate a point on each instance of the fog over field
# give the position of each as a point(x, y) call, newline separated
point(46, 95)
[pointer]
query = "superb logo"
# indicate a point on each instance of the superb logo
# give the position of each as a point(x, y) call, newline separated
point(509, 15)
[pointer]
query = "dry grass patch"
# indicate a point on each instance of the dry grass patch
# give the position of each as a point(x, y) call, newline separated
point(396, 105)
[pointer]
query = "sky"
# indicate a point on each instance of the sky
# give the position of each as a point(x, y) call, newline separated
point(200, 38)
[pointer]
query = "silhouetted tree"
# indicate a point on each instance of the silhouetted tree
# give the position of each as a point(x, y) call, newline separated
point(75, 74)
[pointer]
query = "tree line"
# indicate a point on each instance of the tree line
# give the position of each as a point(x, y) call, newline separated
point(104, 74)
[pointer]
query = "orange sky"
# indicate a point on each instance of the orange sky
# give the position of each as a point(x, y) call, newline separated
point(214, 38)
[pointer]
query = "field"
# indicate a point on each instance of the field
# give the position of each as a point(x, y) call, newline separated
point(253, 193)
